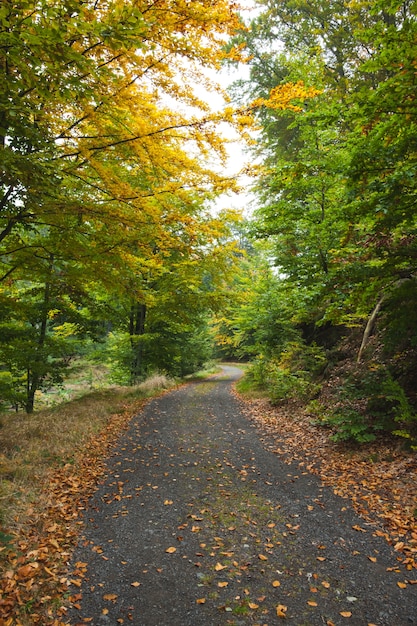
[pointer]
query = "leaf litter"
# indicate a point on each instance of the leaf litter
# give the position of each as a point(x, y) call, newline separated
point(379, 478)
point(37, 570)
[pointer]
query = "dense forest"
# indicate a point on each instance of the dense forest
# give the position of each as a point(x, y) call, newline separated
point(111, 249)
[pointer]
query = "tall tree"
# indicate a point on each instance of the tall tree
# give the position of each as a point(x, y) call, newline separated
point(337, 185)
point(105, 144)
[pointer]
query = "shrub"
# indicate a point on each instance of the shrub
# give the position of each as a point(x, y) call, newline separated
point(291, 375)
point(370, 403)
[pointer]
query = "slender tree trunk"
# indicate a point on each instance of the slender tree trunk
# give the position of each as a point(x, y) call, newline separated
point(136, 330)
point(373, 317)
point(369, 328)
point(34, 377)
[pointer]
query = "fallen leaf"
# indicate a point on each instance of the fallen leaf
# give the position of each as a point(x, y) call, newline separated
point(262, 557)
point(372, 558)
point(167, 502)
point(222, 584)
point(171, 550)
point(252, 605)
point(346, 613)
point(276, 583)
point(218, 567)
point(281, 610)
point(325, 584)
point(402, 585)
point(111, 597)
point(358, 528)
point(27, 571)
point(135, 584)
point(201, 601)
point(312, 603)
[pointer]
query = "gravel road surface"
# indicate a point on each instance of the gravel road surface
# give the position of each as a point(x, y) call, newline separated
point(198, 523)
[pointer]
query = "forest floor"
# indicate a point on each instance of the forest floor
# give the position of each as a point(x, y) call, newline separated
point(213, 510)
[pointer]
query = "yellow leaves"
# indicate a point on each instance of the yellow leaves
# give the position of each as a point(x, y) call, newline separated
point(401, 585)
point(253, 605)
point(312, 603)
point(282, 96)
point(171, 550)
point(238, 53)
point(372, 559)
point(276, 583)
point(346, 613)
point(262, 557)
point(135, 584)
point(168, 502)
point(222, 584)
point(201, 601)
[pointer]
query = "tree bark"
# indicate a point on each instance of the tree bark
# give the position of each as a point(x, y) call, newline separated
point(137, 329)
point(369, 328)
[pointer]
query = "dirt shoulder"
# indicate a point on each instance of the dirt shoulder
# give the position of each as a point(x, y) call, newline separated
point(200, 522)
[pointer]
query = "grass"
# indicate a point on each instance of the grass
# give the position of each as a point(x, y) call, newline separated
point(33, 445)
point(50, 462)
point(250, 390)
point(210, 369)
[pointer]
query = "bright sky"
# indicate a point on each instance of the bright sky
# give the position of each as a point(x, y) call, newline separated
point(237, 155)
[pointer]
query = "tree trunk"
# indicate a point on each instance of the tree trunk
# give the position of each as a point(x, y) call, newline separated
point(369, 328)
point(34, 377)
point(137, 329)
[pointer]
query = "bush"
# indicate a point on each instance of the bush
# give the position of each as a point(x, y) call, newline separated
point(291, 375)
point(372, 402)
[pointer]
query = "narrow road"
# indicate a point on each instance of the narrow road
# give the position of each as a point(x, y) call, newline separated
point(198, 524)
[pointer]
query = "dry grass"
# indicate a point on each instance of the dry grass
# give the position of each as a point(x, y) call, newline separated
point(32, 445)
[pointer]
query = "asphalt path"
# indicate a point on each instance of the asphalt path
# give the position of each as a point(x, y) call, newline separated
point(199, 523)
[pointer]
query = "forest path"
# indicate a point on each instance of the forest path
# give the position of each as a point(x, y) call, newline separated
point(197, 523)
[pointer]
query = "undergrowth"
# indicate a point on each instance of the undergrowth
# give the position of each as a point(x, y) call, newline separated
point(356, 401)
point(32, 445)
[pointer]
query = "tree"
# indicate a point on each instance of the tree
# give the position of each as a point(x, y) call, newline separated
point(105, 144)
point(337, 186)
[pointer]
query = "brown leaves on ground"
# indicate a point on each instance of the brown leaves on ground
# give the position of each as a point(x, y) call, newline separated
point(378, 478)
point(34, 563)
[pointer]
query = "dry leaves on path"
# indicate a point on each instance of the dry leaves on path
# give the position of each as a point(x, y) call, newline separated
point(379, 478)
point(34, 564)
